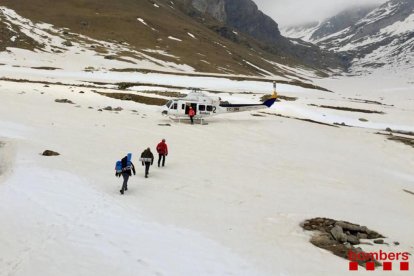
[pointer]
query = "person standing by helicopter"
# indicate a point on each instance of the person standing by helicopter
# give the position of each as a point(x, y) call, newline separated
point(191, 113)
point(162, 150)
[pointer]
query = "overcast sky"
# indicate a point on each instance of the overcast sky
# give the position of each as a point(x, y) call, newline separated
point(291, 12)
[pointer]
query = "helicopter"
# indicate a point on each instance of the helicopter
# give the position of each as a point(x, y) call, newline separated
point(207, 106)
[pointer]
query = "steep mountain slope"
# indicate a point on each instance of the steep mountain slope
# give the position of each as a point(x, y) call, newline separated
point(245, 17)
point(302, 31)
point(314, 31)
point(385, 37)
point(242, 15)
point(139, 32)
point(382, 38)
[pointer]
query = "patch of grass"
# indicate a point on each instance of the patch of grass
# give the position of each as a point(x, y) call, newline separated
point(405, 140)
point(134, 98)
point(409, 192)
point(279, 97)
point(231, 77)
point(45, 68)
point(348, 109)
point(126, 85)
point(21, 41)
point(299, 119)
point(169, 94)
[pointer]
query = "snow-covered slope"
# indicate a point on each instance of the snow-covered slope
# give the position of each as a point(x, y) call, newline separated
point(313, 32)
point(383, 37)
point(233, 193)
point(303, 31)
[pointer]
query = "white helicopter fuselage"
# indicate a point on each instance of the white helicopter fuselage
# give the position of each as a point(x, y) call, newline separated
point(207, 106)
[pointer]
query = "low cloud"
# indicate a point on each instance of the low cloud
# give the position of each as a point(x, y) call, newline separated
point(291, 12)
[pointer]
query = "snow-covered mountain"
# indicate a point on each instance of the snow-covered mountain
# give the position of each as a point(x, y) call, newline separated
point(383, 37)
point(314, 31)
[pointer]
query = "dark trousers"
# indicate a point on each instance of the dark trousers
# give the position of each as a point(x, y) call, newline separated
point(125, 175)
point(192, 121)
point(161, 156)
point(147, 166)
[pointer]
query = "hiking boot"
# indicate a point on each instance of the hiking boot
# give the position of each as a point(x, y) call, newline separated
point(121, 191)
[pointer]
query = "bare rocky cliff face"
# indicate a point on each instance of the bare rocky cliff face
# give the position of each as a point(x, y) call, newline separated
point(215, 8)
point(244, 16)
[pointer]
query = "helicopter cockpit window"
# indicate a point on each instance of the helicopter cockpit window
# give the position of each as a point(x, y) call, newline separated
point(202, 107)
point(168, 104)
point(209, 108)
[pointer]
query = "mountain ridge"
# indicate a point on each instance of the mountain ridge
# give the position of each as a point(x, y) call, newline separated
point(383, 37)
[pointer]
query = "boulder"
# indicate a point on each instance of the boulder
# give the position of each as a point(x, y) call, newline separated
point(352, 239)
point(362, 236)
point(67, 43)
point(338, 234)
point(349, 226)
point(64, 101)
point(50, 153)
point(323, 240)
point(374, 235)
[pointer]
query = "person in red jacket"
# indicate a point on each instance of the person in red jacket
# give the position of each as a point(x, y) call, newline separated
point(162, 150)
point(191, 113)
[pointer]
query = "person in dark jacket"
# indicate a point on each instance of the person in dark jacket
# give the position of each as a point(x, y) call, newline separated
point(127, 169)
point(162, 150)
point(147, 159)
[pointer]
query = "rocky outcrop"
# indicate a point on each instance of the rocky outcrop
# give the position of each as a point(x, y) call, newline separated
point(50, 153)
point(340, 237)
point(215, 8)
point(242, 15)
point(64, 101)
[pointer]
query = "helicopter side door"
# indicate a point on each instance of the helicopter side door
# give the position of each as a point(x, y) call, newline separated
point(193, 105)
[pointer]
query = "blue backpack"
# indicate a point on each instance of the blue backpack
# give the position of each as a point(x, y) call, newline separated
point(118, 166)
point(124, 165)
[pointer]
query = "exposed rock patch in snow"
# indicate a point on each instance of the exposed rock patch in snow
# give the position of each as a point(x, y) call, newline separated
point(340, 237)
